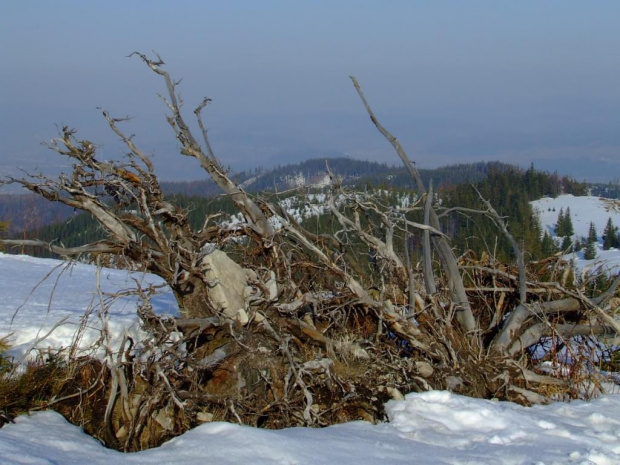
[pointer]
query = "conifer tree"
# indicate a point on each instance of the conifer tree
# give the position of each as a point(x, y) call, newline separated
point(567, 244)
point(548, 245)
point(610, 235)
point(564, 225)
point(592, 235)
point(589, 250)
point(568, 223)
point(579, 243)
point(559, 225)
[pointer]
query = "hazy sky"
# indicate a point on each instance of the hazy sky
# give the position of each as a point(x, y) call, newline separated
point(456, 81)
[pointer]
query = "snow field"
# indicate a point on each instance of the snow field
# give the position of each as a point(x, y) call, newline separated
point(583, 210)
point(39, 295)
point(430, 428)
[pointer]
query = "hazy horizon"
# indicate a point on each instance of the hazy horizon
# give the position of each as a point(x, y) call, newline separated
point(456, 82)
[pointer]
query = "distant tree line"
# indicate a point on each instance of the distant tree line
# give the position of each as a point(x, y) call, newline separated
point(508, 187)
point(358, 173)
point(28, 212)
point(610, 190)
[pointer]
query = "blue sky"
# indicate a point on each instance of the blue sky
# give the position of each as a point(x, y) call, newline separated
point(454, 80)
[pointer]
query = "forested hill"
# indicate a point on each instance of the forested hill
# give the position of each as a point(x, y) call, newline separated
point(610, 190)
point(29, 212)
point(356, 172)
point(508, 188)
point(510, 191)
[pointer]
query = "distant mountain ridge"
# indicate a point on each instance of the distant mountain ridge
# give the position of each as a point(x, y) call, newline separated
point(312, 173)
point(28, 212)
point(298, 185)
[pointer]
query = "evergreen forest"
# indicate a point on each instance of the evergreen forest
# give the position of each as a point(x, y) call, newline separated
point(508, 188)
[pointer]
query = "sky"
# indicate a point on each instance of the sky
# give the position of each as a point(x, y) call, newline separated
point(456, 81)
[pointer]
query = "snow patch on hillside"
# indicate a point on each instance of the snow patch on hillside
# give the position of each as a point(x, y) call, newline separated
point(583, 210)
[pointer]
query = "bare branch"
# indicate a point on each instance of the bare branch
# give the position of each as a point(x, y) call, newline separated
point(534, 333)
point(465, 315)
point(514, 323)
point(515, 247)
point(429, 278)
point(384, 249)
point(205, 137)
point(251, 211)
point(391, 139)
point(95, 248)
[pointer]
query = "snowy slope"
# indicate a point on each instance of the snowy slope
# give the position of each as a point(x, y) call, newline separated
point(429, 428)
point(36, 294)
point(583, 211)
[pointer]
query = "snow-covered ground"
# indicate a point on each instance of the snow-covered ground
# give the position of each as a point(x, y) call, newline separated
point(429, 428)
point(583, 210)
point(38, 295)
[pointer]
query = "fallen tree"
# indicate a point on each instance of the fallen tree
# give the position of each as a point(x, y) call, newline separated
point(282, 326)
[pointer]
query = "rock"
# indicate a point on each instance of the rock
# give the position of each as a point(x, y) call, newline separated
point(121, 434)
point(424, 369)
point(164, 418)
point(204, 417)
point(357, 351)
point(323, 365)
point(229, 281)
point(272, 287)
point(233, 288)
point(242, 316)
point(454, 383)
point(395, 393)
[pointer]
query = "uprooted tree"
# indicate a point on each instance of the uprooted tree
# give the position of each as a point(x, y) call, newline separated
point(282, 326)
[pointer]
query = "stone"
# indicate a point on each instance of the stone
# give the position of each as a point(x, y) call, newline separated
point(204, 417)
point(424, 369)
point(229, 281)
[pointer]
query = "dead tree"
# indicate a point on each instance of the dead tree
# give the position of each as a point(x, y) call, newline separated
point(588, 315)
point(293, 333)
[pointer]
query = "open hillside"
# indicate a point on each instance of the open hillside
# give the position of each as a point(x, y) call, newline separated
point(583, 211)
